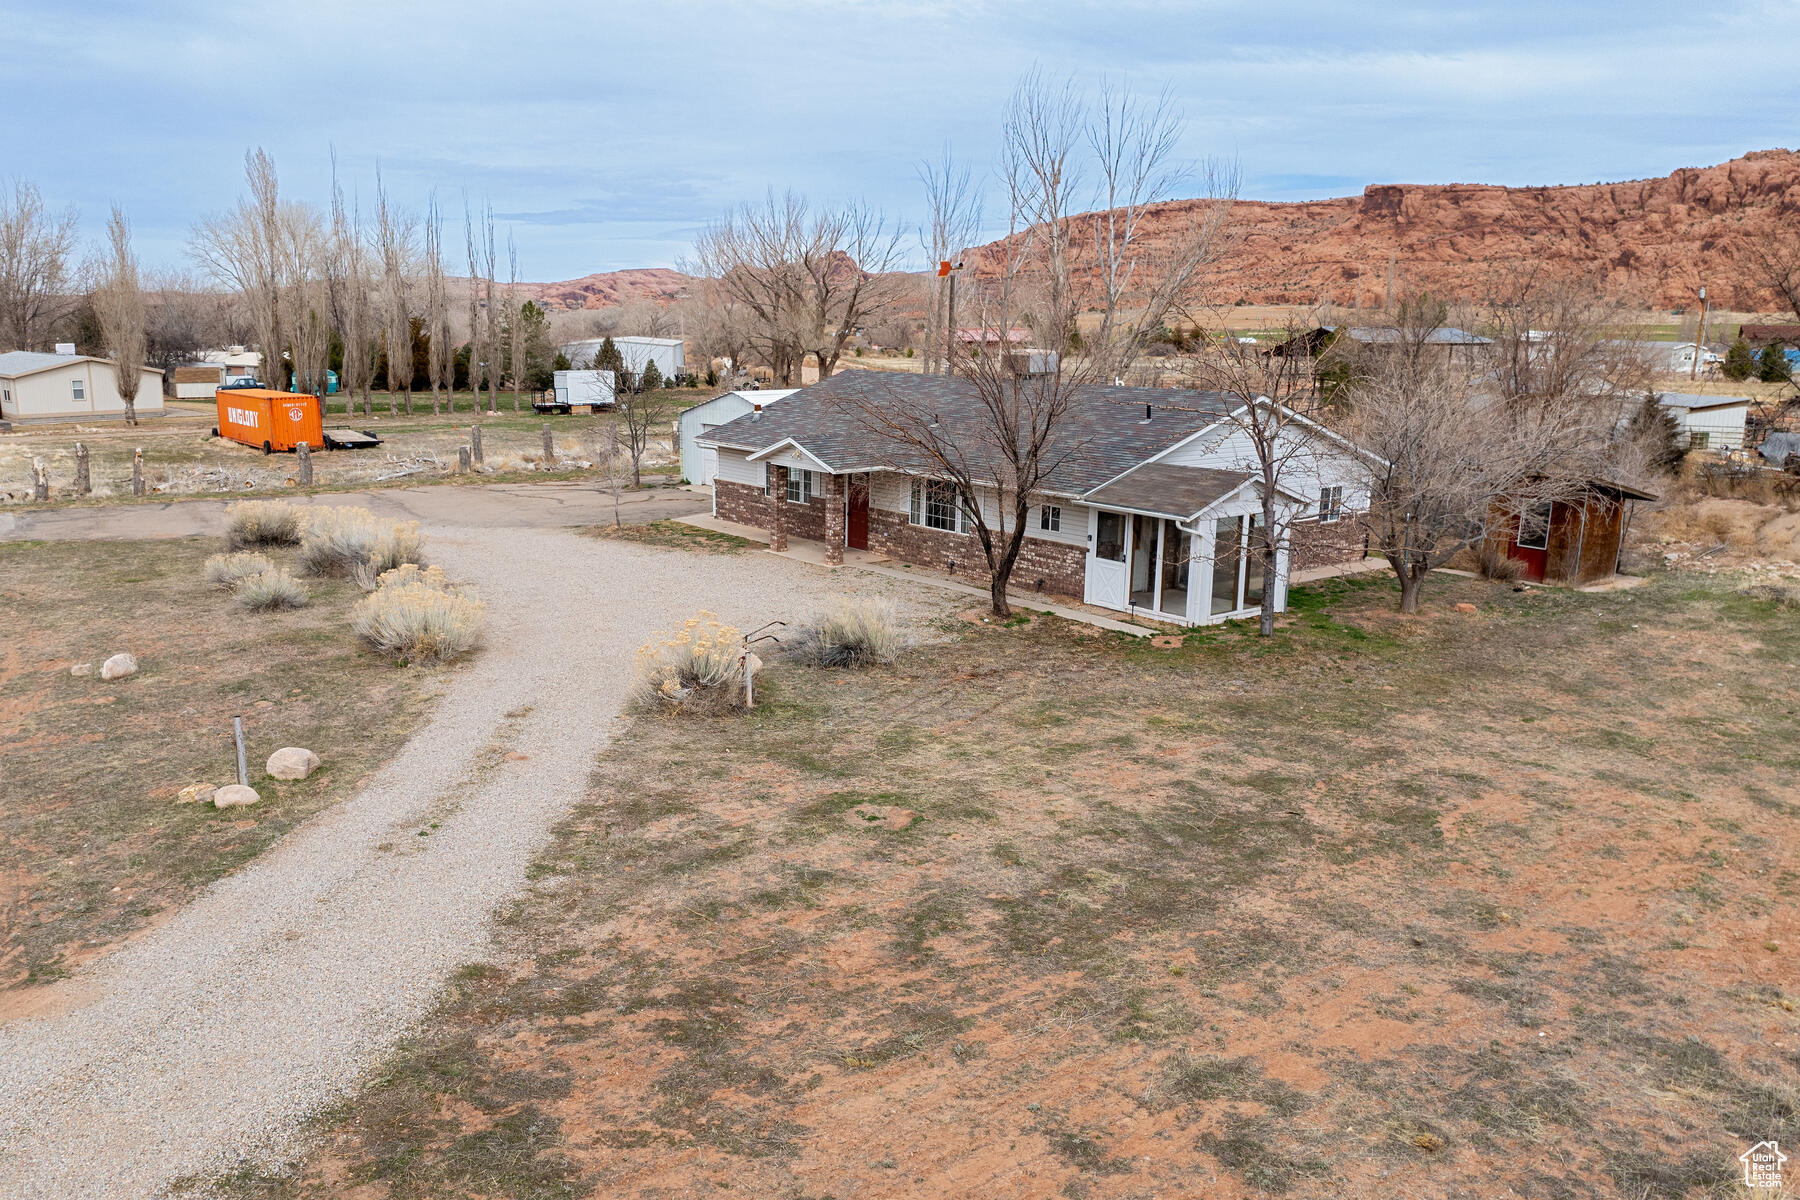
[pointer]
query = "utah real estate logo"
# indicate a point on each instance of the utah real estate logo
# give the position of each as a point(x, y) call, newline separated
point(1762, 1165)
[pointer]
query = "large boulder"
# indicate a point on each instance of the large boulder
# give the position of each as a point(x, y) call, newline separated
point(196, 793)
point(235, 795)
point(292, 762)
point(118, 667)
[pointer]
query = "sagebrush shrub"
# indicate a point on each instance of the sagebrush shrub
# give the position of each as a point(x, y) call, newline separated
point(418, 622)
point(262, 523)
point(699, 665)
point(228, 570)
point(853, 633)
point(270, 589)
point(354, 542)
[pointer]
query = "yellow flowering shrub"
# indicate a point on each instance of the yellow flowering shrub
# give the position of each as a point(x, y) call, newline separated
point(704, 658)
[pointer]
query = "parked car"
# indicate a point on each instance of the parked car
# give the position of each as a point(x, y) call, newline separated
point(242, 381)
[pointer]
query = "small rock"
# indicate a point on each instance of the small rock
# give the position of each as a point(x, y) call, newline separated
point(292, 762)
point(82, 669)
point(235, 795)
point(118, 667)
point(196, 793)
point(1466, 608)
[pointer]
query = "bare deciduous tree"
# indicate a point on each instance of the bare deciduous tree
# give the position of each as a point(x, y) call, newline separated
point(35, 245)
point(476, 353)
point(120, 309)
point(348, 288)
point(806, 280)
point(490, 268)
point(641, 414)
point(515, 357)
point(953, 201)
point(245, 248)
point(394, 241)
point(442, 361)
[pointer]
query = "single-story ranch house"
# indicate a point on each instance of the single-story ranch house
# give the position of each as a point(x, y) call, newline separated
point(60, 387)
point(1148, 509)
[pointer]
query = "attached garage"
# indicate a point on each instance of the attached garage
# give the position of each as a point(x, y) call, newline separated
point(65, 387)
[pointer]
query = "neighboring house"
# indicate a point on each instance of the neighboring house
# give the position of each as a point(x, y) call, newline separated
point(1707, 422)
point(1569, 542)
point(669, 354)
point(1761, 335)
point(1148, 508)
point(1309, 343)
point(60, 387)
point(236, 362)
point(700, 463)
point(992, 337)
point(198, 381)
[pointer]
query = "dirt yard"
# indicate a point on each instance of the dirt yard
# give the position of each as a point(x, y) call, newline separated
point(182, 458)
point(92, 843)
point(1490, 904)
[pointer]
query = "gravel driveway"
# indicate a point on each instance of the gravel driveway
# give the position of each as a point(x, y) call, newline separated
point(210, 1038)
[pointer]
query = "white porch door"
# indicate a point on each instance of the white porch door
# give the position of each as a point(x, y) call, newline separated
point(709, 464)
point(1108, 560)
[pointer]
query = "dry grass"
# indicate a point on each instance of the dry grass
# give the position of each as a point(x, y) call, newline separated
point(262, 523)
point(347, 542)
point(226, 571)
point(268, 590)
point(1456, 905)
point(852, 633)
point(91, 844)
point(697, 668)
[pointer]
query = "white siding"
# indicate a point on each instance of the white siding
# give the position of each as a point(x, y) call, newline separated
point(1723, 427)
point(48, 395)
point(735, 467)
point(1316, 462)
point(893, 493)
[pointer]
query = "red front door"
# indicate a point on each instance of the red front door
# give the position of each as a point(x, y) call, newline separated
point(856, 523)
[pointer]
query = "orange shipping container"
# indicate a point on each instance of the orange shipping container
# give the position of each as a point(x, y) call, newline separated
point(270, 420)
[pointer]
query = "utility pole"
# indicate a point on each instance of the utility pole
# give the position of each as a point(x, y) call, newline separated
point(1699, 337)
point(948, 269)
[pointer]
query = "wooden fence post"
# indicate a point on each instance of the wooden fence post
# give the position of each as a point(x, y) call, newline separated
point(83, 483)
point(549, 447)
point(40, 480)
point(475, 444)
point(303, 453)
point(137, 471)
point(462, 460)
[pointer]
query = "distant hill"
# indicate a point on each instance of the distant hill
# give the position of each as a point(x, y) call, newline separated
point(608, 289)
point(1652, 241)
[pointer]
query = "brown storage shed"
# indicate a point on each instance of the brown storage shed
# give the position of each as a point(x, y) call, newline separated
point(1569, 541)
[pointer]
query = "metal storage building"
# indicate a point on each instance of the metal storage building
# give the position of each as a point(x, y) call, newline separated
point(700, 463)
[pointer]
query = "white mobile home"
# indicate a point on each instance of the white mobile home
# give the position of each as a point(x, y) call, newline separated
point(1708, 422)
point(63, 387)
point(594, 388)
point(669, 354)
point(700, 463)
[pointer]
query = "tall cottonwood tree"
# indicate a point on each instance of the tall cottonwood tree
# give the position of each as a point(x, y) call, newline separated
point(348, 289)
point(516, 323)
point(246, 248)
point(441, 364)
point(35, 247)
point(953, 204)
point(477, 354)
point(122, 313)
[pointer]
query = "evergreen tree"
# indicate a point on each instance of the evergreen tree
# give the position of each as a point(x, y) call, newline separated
point(653, 379)
point(608, 358)
point(1739, 362)
point(1660, 431)
point(1773, 367)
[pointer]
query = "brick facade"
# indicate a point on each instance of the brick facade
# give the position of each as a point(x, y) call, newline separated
point(1325, 543)
point(1062, 567)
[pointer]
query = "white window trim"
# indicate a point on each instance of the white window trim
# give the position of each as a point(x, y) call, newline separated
point(1050, 518)
point(917, 509)
point(1333, 512)
point(800, 480)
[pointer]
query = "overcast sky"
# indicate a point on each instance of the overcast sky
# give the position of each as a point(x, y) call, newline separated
point(604, 134)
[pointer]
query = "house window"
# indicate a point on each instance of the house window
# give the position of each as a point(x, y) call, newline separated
point(78, 389)
point(1331, 503)
point(1534, 528)
point(1697, 439)
point(1050, 518)
point(799, 486)
point(935, 505)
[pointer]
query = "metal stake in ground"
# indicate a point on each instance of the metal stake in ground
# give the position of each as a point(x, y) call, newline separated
point(237, 733)
point(303, 453)
point(751, 662)
point(549, 448)
point(475, 443)
point(137, 471)
point(40, 480)
point(82, 484)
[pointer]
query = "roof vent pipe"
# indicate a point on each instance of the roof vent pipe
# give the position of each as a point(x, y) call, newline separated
point(1146, 412)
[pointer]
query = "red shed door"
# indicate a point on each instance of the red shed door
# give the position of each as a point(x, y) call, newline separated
point(1531, 542)
point(856, 523)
